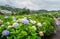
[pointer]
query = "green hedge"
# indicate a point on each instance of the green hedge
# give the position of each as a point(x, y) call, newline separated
point(26, 26)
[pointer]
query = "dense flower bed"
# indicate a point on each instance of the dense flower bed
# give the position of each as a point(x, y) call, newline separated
point(25, 26)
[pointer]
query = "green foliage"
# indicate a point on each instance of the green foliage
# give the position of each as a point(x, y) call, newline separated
point(26, 31)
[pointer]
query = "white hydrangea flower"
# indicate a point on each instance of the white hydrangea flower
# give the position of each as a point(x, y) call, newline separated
point(39, 24)
point(41, 33)
point(5, 33)
point(13, 18)
point(15, 25)
point(9, 26)
point(32, 21)
point(34, 27)
point(5, 17)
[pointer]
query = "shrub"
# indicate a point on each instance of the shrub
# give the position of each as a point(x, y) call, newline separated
point(24, 29)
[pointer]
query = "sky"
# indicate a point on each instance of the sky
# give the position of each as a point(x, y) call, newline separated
point(33, 4)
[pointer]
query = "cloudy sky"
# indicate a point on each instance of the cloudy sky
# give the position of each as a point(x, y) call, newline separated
point(33, 4)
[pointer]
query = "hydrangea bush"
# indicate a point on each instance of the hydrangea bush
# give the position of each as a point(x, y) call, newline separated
point(26, 27)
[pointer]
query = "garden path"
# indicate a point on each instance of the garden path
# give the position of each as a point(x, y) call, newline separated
point(57, 36)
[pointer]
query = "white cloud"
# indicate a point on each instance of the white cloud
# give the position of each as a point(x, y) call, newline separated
point(23, 3)
point(3, 2)
point(33, 4)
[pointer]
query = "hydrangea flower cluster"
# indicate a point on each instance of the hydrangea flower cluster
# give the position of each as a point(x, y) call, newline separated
point(5, 33)
point(41, 33)
point(39, 24)
point(32, 21)
point(20, 26)
point(13, 18)
point(25, 21)
point(15, 25)
point(34, 27)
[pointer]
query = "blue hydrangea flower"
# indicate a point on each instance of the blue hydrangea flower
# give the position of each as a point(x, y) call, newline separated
point(13, 18)
point(5, 33)
point(25, 21)
point(15, 25)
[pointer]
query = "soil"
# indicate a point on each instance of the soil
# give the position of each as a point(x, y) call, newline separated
point(57, 35)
